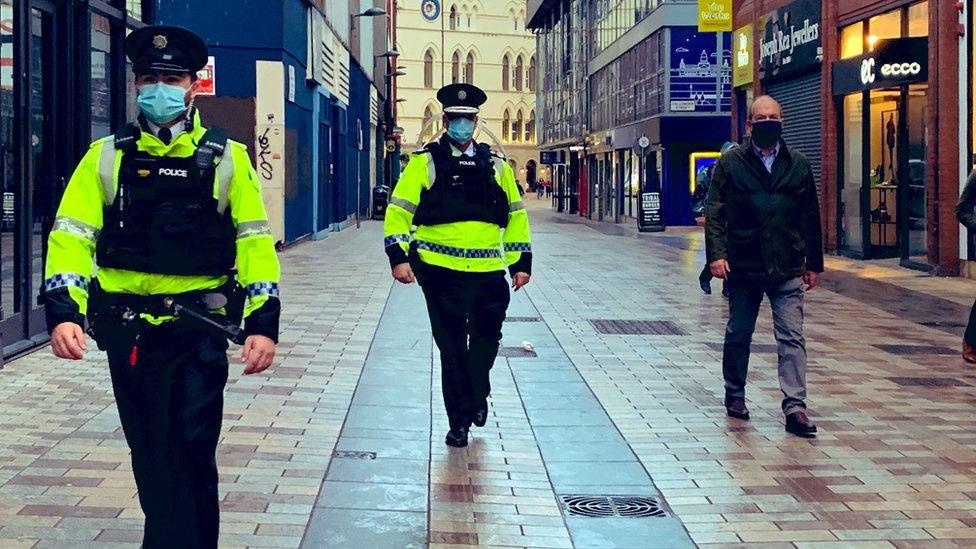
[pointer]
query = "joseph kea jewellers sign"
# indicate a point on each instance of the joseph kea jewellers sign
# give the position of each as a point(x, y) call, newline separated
point(789, 39)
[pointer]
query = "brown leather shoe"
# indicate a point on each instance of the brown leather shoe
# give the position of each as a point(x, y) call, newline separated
point(968, 353)
point(736, 407)
point(800, 425)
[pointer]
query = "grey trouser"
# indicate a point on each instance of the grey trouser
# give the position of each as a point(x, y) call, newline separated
point(786, 299)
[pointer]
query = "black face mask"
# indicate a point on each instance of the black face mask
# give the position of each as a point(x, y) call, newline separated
point(766, 133)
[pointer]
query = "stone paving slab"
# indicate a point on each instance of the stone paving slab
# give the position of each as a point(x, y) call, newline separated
point(895, 465)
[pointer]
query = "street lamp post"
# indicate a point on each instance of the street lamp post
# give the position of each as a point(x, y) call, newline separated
point(371, 12)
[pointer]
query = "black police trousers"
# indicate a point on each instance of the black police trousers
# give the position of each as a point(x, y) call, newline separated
point(171, 406)
point(466, 311)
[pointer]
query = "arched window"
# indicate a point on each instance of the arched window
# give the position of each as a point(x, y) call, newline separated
point(469, 69)
point(530, 128)
point(429, 69)
point(506, 72)
point(456, 68)
point(519, 73)
point(532, 74)
point(517, 127)
point(454, 18)
point(506, 125)
point(428, 124)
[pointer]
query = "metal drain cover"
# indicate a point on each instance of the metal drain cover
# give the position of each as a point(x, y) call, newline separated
point(346, 454)
point(913, 350)
point(637, 327)
point(928, 382)
point(613, 506)
point(523, 319)
point(515, 352)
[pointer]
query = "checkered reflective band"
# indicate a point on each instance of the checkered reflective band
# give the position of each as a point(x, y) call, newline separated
point(460, 252)
point(518, 247)
point(65, 280)
point(394, 239)
point(257, 289)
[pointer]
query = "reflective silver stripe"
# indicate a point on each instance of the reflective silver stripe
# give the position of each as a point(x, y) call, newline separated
point(515, 206)
point(499, 167)
point(518, 247)
point(405, 204)
point(431, 171)
point(65, 280)
point(253, 228)
point(75, 227)
point(225, 171)
point(466, 253)
point(106, 169)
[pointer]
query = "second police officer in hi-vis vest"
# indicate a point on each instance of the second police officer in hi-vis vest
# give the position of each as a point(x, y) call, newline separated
point(167, 209)
point(470, 225)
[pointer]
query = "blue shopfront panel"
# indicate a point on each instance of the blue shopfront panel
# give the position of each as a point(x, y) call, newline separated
point(681, 137)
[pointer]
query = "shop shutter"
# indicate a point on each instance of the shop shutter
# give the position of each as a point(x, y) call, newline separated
point(803, 111)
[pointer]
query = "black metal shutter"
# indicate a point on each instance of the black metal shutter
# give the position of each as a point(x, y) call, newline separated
point(803, 113)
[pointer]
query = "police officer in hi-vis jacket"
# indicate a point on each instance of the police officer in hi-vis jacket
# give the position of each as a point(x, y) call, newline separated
point(167, 209)
point(470, 227)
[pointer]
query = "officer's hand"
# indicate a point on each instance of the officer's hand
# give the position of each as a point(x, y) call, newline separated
point(68, 341)
point(720, 269)
point(519, 280)
point(258, 354)
point(404, 273)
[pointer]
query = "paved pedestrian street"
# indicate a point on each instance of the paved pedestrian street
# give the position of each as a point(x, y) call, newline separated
point(597, 437)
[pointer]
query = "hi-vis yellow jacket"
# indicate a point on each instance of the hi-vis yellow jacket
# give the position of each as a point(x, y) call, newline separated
point(466, 246)
point(70, 264)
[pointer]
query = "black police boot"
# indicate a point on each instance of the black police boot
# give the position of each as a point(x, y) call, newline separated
point(480, 416)
point(458, 438)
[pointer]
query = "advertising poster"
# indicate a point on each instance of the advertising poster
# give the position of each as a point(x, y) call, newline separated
point(700, 73)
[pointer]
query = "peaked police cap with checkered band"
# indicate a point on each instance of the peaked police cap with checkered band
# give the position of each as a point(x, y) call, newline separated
point(165, 49)
point(461, 98)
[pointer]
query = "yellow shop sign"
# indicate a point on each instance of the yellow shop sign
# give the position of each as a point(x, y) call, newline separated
point(715, 15)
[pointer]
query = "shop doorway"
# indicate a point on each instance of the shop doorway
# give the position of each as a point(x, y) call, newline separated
point(884, 203)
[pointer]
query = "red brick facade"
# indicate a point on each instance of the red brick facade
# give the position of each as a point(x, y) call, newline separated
point(942, 183)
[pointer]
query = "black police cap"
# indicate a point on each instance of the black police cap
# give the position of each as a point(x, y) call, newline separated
point(461, 98)
point(165, 49)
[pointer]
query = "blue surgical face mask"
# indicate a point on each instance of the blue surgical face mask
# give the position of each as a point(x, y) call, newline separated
point(461, 130)
point(162, 103)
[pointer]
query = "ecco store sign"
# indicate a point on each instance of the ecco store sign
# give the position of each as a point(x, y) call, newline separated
point(894, 62)
point(888, 70)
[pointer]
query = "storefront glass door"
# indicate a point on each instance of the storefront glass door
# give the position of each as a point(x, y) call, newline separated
point(916, 241)
point(884, 146)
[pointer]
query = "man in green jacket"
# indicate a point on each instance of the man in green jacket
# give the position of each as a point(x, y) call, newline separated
point(763, 237)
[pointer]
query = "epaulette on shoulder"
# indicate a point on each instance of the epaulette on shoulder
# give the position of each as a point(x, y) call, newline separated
point(497, 154)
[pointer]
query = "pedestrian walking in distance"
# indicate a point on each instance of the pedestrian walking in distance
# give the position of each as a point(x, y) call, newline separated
point(168, 208)
point(698, 207)
point(966, 214)
point(470, 226)
point(763, 237)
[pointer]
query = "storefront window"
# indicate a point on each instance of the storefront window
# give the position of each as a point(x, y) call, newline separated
point(8, 150)
point(884, 26)
point(884, 167)
point(101, 76)
point(135, 8)
point(852, 40)
point(850, 200)
point(918, 19)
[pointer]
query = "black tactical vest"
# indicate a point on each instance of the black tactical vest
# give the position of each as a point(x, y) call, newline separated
point(464, 189)
point(165, 218)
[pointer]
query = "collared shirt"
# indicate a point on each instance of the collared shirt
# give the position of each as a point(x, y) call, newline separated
point(767, 160)
point(467, 152)
point(175, 129)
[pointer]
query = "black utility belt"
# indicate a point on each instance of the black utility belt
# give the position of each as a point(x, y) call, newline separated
point(197, 309)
